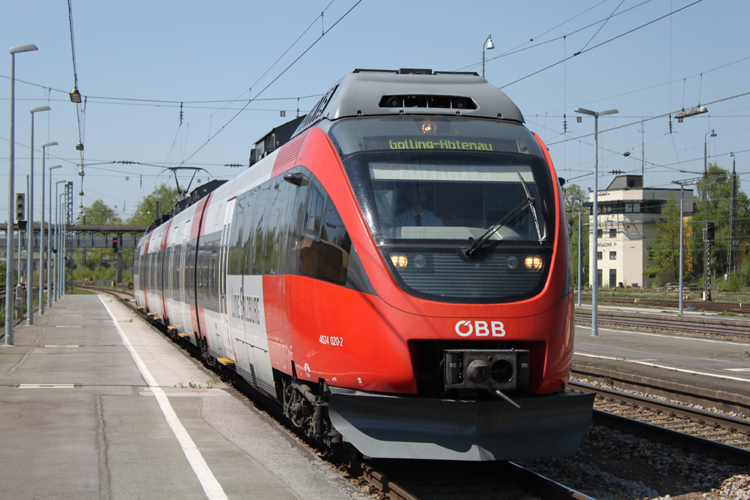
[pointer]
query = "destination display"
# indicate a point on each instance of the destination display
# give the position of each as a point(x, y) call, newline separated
point(435, 144)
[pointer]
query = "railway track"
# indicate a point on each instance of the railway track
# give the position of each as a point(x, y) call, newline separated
point(715, 434)
point(698, 305)
point(738, 327)
point(423, 479)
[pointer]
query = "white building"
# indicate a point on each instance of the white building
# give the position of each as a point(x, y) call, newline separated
point(627, 227)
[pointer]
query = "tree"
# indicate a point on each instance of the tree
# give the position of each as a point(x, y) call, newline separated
point(575, 196)
point(99, 213)
point(160, 201)
point(716, 192)
point(664, 253)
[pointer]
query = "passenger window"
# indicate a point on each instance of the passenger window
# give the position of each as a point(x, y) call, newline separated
point(235, 240)
point(314, 209)
point(333, 249)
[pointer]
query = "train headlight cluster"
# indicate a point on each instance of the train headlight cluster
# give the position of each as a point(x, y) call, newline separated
point(533, 262)
point(511, 262)
point(429, 128)
point(399, 260)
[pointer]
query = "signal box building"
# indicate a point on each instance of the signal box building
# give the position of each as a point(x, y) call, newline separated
point(627, 218)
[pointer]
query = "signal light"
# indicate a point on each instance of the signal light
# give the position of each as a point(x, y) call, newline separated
point(114, 244)
point(710, 231)
point(20, 206)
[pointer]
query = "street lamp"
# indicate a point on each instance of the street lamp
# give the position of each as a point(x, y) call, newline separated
point(489, 46)
point(58, 234)
point(706, 257)
point(595, 271)
point(11, 177)
point(30, 230)
point(49, 237)
point(682, 206)
point(41, 232)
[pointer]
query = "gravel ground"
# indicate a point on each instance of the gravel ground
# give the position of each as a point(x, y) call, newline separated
point(615, 465)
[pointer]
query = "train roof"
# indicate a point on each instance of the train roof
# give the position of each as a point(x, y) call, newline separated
point(367, 92)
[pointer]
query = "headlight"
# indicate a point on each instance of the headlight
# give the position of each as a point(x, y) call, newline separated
point(533, 262)
point(399, 260)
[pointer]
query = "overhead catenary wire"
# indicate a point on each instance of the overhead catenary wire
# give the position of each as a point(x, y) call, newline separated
point(275, 79)
point(583, 51)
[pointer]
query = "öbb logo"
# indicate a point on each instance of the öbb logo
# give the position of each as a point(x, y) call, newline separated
point(480, 328)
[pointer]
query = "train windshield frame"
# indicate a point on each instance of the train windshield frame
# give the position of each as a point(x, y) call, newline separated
point(430, 188)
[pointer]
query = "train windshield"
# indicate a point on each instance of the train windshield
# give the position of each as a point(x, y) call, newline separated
point(462, 209)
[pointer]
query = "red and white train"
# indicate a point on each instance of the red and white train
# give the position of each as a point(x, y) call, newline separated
point(396, 275)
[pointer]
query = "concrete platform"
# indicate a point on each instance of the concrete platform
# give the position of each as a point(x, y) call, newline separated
point(96, 404)
point(699, 366)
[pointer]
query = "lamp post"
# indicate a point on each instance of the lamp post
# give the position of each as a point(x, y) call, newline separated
point(488, 45)
point(11, 197)
point(57, 241)
point(706, 256)
point(682, 241)
point(49, 237)
point(41, 232)
point(30, 229)
point(595, 271)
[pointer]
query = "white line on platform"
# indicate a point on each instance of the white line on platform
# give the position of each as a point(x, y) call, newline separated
point(64, 326)
point(46, 386)
point(211, 486)
point(50, 345)
point(673, 337)
point(715, 375)
point(737, 369)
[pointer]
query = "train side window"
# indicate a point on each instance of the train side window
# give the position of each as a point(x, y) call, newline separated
point(283, 202)
point(295, 221)
point(234, 264)
point(333, 249)
point(274, 213)
point(311, 229)
point(314, 209)
point(261, 225)
point(248, 230)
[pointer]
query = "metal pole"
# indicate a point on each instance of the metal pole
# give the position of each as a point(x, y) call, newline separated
point(732, 222)
point(50, 278)
point(682, 208)
point(57, 241)
point(11, 215)
point(30, 236)
point(580, 203)
point(705, 218)
point(595, 289)
point(707, 291)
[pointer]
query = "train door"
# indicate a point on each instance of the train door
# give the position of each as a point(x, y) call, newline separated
point(184, 306)
point(256, 265)
point(226, 335)
point(171, 283)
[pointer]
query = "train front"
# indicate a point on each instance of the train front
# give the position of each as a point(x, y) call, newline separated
point(473, 337)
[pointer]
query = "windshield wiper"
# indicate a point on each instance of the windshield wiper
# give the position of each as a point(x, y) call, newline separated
point(527, 203)
point(479, 242)
point(531, 201)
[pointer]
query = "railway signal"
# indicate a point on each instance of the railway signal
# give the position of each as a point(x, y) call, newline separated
point(115, 244)
point(710, 232)
point(21, 210)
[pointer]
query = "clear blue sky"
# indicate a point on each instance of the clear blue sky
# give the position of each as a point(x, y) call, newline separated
point(137, 60)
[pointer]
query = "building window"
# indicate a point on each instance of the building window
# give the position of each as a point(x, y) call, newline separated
point(612, 255)
point(598, 256)
point(613, 233)
point(598, 233)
